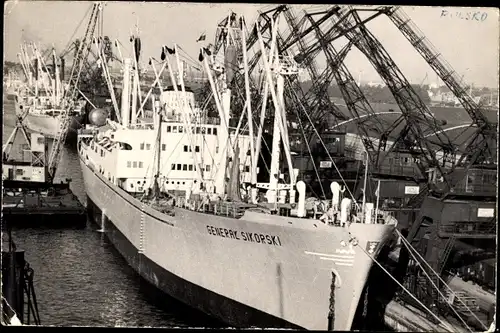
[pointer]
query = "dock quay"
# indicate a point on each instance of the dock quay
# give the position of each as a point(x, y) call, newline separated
point(28, 203)
point(406, 318)
point(19, 302)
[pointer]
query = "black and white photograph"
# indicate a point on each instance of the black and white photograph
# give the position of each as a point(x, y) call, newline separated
point(250, 165)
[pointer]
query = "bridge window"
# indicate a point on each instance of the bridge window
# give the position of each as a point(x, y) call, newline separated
point(180, 129)
point(179, 166)
point(140, 164)
point(185, 148)
point(207, 167)
point(163, 146)
point(129, 164)
point(197, 130)
point(174, 129)
point(142, 146)
point(197, 149)
point(173, 167)
point(214, 131)
point(134, 164)
point(148, 146)
point(190, 167)
point(247, 168)
point(184, 167)
point(169, 129)
point(209, 130)
point(125, 146)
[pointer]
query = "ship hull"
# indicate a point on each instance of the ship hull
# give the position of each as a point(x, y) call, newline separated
point(184, 291)
point(47, 125)
point(281, 281)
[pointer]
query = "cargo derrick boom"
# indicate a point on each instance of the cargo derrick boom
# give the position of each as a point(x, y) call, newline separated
point(419, 120)
point(70, 93)
point(293, 100)
point(221, 37)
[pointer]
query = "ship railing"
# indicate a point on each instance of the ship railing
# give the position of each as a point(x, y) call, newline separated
point(195, 120)
point(221, 208)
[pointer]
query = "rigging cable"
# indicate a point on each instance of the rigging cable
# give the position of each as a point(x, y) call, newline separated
point(328, 153)
point(444, 324)
point(434, 285)
point(310, 153)
point(411, 248)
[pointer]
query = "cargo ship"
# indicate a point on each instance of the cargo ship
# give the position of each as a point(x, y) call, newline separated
point(39, 102)
point(179, 200)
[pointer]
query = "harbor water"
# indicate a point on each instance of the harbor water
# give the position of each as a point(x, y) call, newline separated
point(81, 280)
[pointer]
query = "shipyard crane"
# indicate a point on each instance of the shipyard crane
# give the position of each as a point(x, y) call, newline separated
point(419, 120)
point(70, 94)
point(483, 144)
point(323, 101)
point(355, 100)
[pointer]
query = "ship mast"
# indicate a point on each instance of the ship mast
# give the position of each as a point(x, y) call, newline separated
point(156, 185)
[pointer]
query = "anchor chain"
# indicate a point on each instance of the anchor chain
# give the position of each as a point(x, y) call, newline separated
point(331, 312)
point(365, 303)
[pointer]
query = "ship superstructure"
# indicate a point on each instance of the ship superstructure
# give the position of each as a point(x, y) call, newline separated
point(169, 191)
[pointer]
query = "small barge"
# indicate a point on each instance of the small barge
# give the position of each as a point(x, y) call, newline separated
point(34, 204)
point(29, 199)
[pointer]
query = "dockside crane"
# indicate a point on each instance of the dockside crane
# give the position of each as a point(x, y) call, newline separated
point(483, 144)
point(71, 92)
point(419, 121)
point(462, 205)
point(373, 132)
point(320, 98)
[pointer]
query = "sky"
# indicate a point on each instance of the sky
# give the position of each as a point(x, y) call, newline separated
point(470, 46)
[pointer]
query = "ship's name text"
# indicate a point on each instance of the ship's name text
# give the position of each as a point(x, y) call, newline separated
point(245, 236)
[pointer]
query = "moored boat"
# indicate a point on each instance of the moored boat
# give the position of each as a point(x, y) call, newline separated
point(174, 211)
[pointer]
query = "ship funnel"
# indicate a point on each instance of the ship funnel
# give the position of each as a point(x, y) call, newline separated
point(345, 207)
point(301, 205)
point(335, 188)
point(368, 212)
